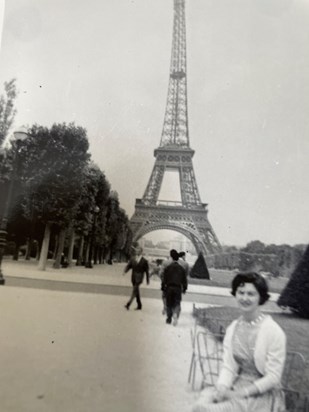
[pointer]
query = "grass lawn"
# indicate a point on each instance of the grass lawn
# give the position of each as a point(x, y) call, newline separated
point(223, 278)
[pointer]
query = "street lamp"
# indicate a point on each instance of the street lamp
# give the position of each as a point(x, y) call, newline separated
point(19, 136)
point(95, 214)
point(113, 199)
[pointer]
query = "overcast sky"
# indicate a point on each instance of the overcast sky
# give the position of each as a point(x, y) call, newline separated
point(104, 65)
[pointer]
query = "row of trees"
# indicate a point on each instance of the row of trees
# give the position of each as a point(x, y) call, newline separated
point(280, 260)
point(61, 199)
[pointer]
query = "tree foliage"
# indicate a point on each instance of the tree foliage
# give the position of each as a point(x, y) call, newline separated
point(57, 187)
point(279, 260)
point(255, 246)
point(94, 193)
point(118, 232)
point(53, 164)
point(7, 110)
point(296, 293)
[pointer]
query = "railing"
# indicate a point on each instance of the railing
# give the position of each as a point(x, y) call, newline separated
point(169, 203)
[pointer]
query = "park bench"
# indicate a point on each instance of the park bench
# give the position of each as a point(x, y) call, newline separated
point(207, 354)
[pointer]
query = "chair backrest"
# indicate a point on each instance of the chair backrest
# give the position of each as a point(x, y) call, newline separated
point(293, 382)
point(193, 332)
point(294, 371)
point(209, 347)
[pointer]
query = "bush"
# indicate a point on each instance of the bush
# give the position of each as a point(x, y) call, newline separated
point(296, 293)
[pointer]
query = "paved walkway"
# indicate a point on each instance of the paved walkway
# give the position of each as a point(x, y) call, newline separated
point(65, 351)
point(108, 275)
point(82, 352)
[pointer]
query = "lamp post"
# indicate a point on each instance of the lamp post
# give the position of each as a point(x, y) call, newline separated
point(19, 136)
point(88, 264)
point(113, 199)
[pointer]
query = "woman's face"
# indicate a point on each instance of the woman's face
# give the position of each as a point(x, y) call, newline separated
point(247, 297)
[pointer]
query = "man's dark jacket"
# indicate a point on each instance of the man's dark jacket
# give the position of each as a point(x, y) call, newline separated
point(174, 275)
point(139, 268)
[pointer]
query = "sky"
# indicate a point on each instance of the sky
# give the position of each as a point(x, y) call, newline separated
point(105, 66)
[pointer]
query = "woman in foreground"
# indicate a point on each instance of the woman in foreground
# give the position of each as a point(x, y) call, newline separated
point(254, 350)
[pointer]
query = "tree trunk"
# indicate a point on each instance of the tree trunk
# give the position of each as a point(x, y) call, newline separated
point(79, 260)
point(28, 248)
point(16, 251)
point(100, 255)
point(86, 255)
point(71, 247)
point(95, 255)
point(56, 247)
point(37, 251)
point(61, 239)
point(44, 248)
point(104, 254)
point(111, 253)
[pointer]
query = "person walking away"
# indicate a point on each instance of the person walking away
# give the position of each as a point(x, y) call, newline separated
point(254, 351)
point(182, 261)
point(174, 283)
point(164, 265)
point(139, 266)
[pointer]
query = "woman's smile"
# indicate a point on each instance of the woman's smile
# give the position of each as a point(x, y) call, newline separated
point(248, 298)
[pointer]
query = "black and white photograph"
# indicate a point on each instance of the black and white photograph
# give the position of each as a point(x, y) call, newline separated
point(154, 236)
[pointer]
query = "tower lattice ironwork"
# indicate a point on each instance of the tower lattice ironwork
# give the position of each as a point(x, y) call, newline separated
point(189, 216)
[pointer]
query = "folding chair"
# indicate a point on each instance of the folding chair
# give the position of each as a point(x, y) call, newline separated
point(194, 357)
point(296, 399)
point(210, 352)
point(294, 371)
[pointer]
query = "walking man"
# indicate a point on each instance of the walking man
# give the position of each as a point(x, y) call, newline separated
point(174, 283)
point(164, 265)
point(139, 266)
point(182, 261)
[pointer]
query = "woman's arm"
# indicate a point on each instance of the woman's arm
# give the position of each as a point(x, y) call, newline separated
point(221, 393)
point(275, 358)
point(246, 392)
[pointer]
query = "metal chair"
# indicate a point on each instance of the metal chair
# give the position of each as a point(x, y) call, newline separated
point(293, 379)
point(209, 352)
point(194, 357)
point(294, 371)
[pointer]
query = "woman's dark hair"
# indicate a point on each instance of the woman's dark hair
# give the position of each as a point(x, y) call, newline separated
point(257, 280)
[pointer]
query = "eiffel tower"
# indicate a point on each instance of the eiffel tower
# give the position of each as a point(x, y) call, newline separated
point(189, 216)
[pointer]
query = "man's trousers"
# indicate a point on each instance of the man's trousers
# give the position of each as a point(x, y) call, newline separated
point(173, 299)
point(135, 294)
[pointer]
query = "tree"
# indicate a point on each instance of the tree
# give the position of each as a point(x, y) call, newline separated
point(124, 234)
point(199, 269)
point(256, 246)
point(53, 164)
point(7, 110)
point(112, 224)
point(295, 295)
point(94, 193)
point(119, 234)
